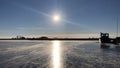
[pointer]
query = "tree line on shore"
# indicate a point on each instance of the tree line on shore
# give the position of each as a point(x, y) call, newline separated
point(47, 38)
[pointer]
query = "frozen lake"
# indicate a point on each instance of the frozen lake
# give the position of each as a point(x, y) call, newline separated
point(57, 54)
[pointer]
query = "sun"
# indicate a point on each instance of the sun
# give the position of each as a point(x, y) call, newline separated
point(56, 17)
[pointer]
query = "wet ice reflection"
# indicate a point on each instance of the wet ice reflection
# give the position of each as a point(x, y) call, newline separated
point(56, 56)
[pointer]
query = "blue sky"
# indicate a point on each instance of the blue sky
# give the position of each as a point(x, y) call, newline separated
point(34, 17)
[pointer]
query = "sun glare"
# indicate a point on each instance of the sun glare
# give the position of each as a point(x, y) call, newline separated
point(56, 17)
point(56, 54)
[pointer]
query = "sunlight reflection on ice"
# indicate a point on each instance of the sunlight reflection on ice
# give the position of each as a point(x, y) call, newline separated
point(56, 54)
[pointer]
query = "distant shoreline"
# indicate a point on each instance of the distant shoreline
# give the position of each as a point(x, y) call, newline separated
point(55, 39)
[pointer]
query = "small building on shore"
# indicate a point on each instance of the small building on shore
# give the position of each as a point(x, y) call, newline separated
point(104, 38)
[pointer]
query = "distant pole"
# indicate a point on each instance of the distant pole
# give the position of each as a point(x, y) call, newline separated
point(117, 28)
